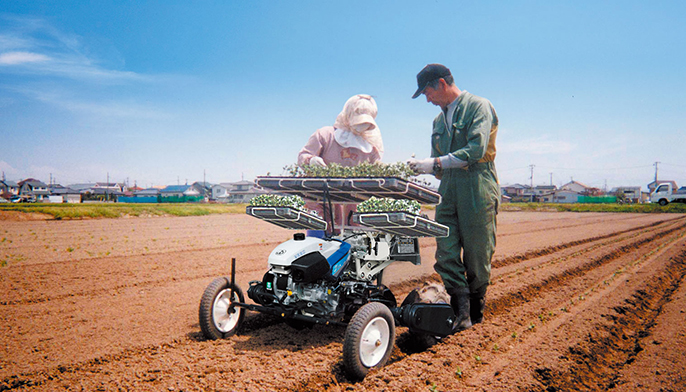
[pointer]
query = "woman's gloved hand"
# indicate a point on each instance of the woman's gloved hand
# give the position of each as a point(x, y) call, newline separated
point(317, 161)
point(422, 166)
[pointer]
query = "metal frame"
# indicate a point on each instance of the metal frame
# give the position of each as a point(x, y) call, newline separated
point(301, 221)
point(351, 190)
point(392, 222)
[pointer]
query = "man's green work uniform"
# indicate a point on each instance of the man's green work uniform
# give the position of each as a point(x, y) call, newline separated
point(470, 195)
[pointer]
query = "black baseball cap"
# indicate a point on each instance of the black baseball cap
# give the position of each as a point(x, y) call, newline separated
point(427, 75)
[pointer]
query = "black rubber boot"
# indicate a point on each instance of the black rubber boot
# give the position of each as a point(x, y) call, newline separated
point(476, 308)
point(459, 301)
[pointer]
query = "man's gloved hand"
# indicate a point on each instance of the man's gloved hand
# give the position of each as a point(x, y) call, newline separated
point(422, 166)
point(317, 161)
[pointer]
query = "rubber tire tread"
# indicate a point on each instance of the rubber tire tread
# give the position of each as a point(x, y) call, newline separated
point(353, 334)
point(205, 319)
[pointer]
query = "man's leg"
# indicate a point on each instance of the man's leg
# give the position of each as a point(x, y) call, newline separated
point(478, 228)
point(450, 267)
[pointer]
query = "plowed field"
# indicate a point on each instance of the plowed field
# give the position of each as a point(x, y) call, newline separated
point(578, 302)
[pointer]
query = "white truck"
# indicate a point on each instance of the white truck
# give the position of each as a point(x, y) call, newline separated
point(665, 193)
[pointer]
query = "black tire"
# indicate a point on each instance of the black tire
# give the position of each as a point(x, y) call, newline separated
point(369, 339)
point(218, 318)
point(663, 202)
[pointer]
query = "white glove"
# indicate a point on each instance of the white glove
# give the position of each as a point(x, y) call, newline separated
point(317, 161)
point(422, 166)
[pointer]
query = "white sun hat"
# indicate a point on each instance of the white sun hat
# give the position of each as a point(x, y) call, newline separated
point(356, 125)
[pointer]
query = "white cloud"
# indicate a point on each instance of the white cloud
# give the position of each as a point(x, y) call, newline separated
point(34, 47)
point(15, 58)
point(101, 108)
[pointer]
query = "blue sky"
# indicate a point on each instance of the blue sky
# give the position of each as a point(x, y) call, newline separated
point(164, 92)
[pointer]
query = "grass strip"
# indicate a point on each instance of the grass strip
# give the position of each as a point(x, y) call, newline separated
point(118, 210)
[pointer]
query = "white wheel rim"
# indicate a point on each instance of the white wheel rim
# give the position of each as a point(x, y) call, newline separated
point(374, 341)
point(224, 315)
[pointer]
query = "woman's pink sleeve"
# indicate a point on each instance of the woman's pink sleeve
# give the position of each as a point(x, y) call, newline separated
point(313, 147)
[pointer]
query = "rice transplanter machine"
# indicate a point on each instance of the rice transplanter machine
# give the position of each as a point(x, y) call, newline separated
point(336, 278)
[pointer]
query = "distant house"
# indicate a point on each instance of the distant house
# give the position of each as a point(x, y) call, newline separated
point(64, 194)
point(9, 188)
point(101, 194)
point(541, 194)
point(220, 193)
point(204, 189)
point(236, 192)
point(565, 196)
point(581, 189)
point(524, 193)
point(178, 191)
point(544, 189)
point(111, 186)
point(150, 192)
point(631, 194)
point(513, 190)
point(82, 188)
point(33, 190)
point(546, 197)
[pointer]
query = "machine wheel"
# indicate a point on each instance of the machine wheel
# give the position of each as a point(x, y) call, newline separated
point(663, 202)
point(218, 317)
point(369, 339)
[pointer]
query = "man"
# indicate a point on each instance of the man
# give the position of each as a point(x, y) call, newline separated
point(463, 153)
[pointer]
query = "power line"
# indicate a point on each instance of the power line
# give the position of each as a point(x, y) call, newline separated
point(669, 164)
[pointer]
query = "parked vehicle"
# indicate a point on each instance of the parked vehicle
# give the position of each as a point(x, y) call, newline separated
point(665, 194)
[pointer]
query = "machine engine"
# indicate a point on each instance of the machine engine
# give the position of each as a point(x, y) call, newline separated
point(304, 274)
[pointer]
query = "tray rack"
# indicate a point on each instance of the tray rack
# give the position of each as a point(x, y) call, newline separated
point(401, 223)
point(350, 190)
point(287, 217)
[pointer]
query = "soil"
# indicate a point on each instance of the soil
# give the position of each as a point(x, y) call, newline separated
point(578, 302)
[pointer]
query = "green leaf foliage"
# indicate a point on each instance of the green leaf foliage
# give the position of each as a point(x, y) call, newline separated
point(374, 204)
point(399, 169)
point(296, 202)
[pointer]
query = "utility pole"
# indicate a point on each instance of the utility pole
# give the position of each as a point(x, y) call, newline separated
point(551, 179)
point(655, 164)
point(532, 181)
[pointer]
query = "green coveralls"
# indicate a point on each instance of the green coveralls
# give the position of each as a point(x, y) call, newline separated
point(470, 195)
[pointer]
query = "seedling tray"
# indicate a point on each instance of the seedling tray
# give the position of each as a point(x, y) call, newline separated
point(401, 223)
point(351, 190)
point(287, 217)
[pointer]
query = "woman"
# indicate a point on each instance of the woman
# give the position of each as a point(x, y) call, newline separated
point(354, 138)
